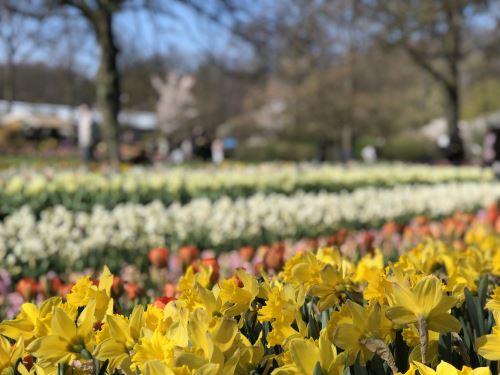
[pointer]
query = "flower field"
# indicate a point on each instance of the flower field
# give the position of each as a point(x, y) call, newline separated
point(435, 306)
point(81, 191)
point(58, 236)
point(311, 274)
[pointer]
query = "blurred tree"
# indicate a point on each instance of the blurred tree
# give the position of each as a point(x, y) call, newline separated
point(139, 92)
point(39, 83)
point(176, 104)
point(17, 38)
point(432, 33)
point(100, 15)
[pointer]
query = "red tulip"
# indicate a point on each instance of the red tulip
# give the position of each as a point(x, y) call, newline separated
point(161, 302)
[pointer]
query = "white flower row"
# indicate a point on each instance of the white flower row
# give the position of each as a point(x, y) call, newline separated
point(125, 233)
point(82, 190)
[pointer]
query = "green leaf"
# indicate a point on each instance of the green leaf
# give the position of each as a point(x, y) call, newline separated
point(317, 369)
point(482, 290)
point(103, 368)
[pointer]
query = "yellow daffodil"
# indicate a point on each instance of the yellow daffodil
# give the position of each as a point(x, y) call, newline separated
point(84, 291)
point(237, 293)
point(368, 265)
point(488, 346)
point(412, 338)
point(376, 288)
point(68, 341)
point(280, 310)
point(493, 303)
point(446, 369)
point(333, 256)
point(306, 355)
point(9, 356)
point(426, 300)
point(31, 322)
point(155, 347)
point(369, 328)
point(426, 305)
point(328, 288)
point(123, 335)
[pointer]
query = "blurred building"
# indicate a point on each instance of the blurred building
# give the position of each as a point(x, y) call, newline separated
point(63, 119)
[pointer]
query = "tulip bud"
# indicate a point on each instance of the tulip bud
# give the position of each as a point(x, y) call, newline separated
point(161, 302)
point(132, 290)
point(187, 254)
point(65, 289)
point(274, 258)
point(116, 287)
point(247, 253)
point(492, 213)
point(170, 289)
point(27, 287)
point(158, 257)
point(212, 262)
point(50, 286)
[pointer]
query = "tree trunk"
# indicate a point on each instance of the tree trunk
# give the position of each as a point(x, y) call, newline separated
point(108, 84)
point(454, 15)
point(456, 153)
point(9, 90)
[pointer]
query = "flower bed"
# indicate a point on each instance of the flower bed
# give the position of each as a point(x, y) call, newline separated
point(81, 191)
point(124, 234)
point(436, 306)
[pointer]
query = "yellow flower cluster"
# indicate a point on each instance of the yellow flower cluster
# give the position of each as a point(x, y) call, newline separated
point(322, 314)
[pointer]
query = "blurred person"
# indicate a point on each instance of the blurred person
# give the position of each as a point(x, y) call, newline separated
point(187, 149)
point(201, 144)
point(177, 156)
point(491, 149)
point(369, 154)
point(217, 149)
point(85, 136)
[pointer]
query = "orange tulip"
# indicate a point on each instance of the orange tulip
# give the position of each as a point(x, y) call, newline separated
point(212, 262)
point(132, 290)
point(65, 289)
point(187, 254)
point(50, 286)
point(116, 287)
point(27, 287)
point(170, 289)
point(247, 253)
point(158, 256)
point(274, 258)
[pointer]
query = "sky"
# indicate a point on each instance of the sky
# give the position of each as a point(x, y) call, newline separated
point(139, 33)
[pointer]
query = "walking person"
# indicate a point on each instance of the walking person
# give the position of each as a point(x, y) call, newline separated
point(85, 139)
